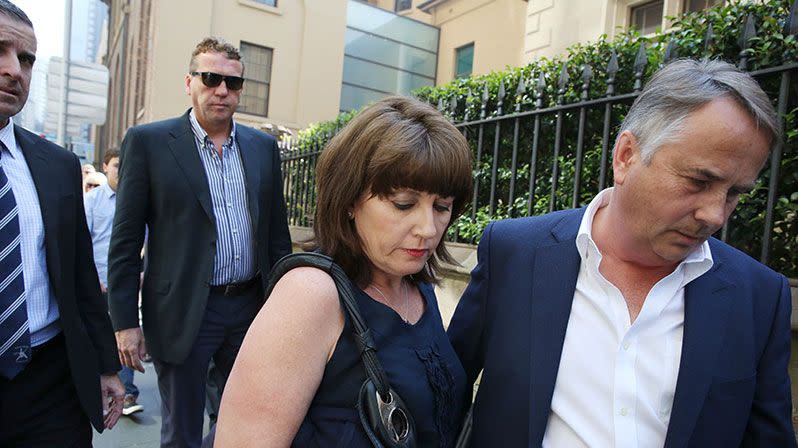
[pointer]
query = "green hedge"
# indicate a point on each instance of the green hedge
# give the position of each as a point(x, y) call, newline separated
point(771, 46)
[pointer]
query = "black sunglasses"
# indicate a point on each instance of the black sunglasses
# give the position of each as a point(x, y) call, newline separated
point(211, 79)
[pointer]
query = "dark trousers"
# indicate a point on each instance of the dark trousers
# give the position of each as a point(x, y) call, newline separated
point(182, 386)
point(40, 406)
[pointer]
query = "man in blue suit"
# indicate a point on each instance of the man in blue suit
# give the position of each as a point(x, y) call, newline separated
point(624, 323)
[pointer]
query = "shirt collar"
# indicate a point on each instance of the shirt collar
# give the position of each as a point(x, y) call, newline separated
point(107, 190)
point(696, 263)
point(9, 139)
point(200, 133)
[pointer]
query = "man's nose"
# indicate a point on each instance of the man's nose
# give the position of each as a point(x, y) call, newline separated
point(10, 65)
point(713, 211)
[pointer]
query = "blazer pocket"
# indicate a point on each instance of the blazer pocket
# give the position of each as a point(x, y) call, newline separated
point(156, 285)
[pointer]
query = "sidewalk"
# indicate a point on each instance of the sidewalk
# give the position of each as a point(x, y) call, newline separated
point(142, 429)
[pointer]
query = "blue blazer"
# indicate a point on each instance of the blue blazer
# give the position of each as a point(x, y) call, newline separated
point(732, 387)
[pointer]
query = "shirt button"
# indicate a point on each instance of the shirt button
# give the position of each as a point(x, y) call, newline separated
point(235, 231)
point(624, 412)
point(237, 257)
point(626, 345)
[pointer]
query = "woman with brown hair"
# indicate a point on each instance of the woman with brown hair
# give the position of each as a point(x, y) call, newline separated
point(389, 184)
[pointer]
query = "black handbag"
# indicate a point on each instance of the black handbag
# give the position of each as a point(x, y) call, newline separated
point(384, 416)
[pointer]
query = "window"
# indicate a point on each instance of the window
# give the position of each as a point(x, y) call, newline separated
point(464, 61)
point(402, 5)
point(258, 75)
point(700, 5)
point(267, 2)
point(647, 17)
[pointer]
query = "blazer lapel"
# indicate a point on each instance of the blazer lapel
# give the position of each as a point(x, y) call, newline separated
point(705, 314)
point(250, 154)
point(48, 200)
point(184, 149)
point(555, 271)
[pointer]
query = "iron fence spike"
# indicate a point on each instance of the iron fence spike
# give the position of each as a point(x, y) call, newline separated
point(502, 92)
point(564, 78)
point(587, 74)
point(670, 50)
point(708, 36)
point(792, 21)
point(748, 33)
point(612, 66)
point(521, 89)
point(641, 60)
point(541, 82)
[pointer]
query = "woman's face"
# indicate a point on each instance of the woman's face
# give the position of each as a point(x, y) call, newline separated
point(401, 231)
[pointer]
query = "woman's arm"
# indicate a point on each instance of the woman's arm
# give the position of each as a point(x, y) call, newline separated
point(281, 362)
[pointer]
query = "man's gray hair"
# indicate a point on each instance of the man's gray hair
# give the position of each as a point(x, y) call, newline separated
point(11, 10)
point(658, 115)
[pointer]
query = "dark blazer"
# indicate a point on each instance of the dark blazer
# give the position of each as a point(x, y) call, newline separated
point(732, 387)
point(163, 186)
point(90, 344)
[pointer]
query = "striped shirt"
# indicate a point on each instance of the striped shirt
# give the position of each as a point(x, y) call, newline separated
point(42, 307)
point(234, 261)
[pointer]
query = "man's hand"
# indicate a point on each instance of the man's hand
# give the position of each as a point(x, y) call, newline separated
point(113, 395)
point(130, 343)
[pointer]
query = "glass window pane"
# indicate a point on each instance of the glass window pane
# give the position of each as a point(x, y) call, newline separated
point(257, 74)
point(355, 97)
point(378, 77)
point(390, 53)
point(267, 2)
point(647, 17)
point(700, 5)
point(386, 24)
point(402, 5)
point(464, 61)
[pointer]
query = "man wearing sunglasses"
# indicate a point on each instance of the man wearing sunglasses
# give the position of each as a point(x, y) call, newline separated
point(210, 192)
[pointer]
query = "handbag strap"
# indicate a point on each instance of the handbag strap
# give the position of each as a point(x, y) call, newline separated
point(362, 335)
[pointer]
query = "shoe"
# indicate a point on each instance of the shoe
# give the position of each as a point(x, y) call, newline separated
point(130, 406)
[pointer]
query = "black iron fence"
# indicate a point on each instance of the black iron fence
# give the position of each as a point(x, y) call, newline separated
point(546, 158)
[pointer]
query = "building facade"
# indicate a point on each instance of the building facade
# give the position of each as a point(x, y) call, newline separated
point(307, 60)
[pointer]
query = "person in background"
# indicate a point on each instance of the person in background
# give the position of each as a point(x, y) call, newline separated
point(100, 207)
point(58, 363)
point(297, 377)
point(625, 323)
point(86, 169)
point(209, 191)
point(94, 180)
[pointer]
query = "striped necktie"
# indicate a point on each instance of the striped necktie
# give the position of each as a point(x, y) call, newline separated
point(15, 350)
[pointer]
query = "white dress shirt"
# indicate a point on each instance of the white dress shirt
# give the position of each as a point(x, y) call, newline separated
point(616, 380)
point(41, 304)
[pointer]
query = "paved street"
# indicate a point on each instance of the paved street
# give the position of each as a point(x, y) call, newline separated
point(140, 430)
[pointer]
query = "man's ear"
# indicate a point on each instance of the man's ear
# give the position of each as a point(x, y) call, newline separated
point(188, 84)
point(625, 155)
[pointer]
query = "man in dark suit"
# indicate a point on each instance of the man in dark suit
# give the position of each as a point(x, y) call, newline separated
point(624, 323)
point(209, 191)
point(57, 359)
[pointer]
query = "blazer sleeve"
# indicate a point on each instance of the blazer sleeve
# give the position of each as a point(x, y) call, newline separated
point(467, 327)
point(127, 238)
point(279, 237)
point(770, 423)
point(90, 301)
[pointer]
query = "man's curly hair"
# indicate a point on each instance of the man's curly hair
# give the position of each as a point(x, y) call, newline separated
point(214, 45)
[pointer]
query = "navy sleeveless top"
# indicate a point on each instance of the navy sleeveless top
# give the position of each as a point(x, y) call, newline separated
point(421, 367)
